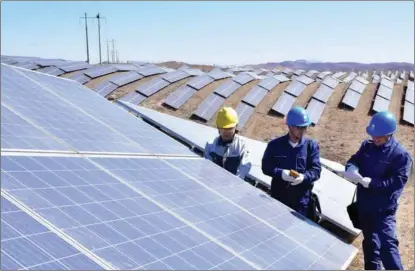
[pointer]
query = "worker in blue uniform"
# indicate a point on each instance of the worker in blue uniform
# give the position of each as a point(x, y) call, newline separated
point(293, 151)
point(381, 168)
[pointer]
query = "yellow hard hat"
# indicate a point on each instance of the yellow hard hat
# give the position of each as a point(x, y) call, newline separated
point(227, 118)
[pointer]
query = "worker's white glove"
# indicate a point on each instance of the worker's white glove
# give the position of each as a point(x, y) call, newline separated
point(286, 176)
point(298, 180)
point(352, 174)
point(365, 181)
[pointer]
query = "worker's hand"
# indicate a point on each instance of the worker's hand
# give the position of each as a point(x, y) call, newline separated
point(286, 176)
point(365, 181)
point(298, 180)
point(352, 168)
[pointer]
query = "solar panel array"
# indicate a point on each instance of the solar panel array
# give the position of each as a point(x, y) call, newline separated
point(177, 98)
point(218, 74)
point(409, 95)
point(125, 78)
point(383, 95)
point(152, 86)
point(281, 78)
point(354, 92)
point(284, 103)
point(295, 88)
point(305, 80)
point(209, 106)
point(350, 77)
point(244, 112)
point(175, 76)
point(98, 71)
point(52, 70)
point(408, 112)
point(299, 72)
point(80, 77)
point(133, 97)
point(105, 88)
point(315, 109)
point(322, 75)
point(227, 88)
point(71, 67)
point(244, 78)
point(255, 95)
point(200, 82)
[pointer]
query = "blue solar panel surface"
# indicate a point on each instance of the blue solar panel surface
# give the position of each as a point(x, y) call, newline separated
point(408, 112)
point(322, 75)
point(194, 72)
point(151, 71)
point(357, 86)
point(152, 87)
point(133, 97)
point(218, 74)
point(209, 106)
point(243, 78)
point(17, 133)
point(255, 96)
point(98, 71)
point(52, 70)
point(27, 65)
point(380, 104)
point(386, 83)
point(244, 112)
point(384, 92)
point(80, 77)
point(175, 76)
point(125, 67)
point(409, 95)
point(105, 88)
point(323, 93)
point(227, 88)
point(281, 78)
point(200, 82)
point(27, 244)
point(177, 98)
point(295, 88)
point(351, 98)
point(268, 83)
point(315, 109)
point(284, 103)
point(305, 80)
point(299, 72)
point(70, 67)
point(330, 81)
point(126, 78)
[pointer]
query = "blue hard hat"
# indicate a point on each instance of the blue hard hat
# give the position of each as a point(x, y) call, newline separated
point(298, 116)
point(381, 124)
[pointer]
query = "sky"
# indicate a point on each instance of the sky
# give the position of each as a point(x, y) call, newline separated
point(221, 33)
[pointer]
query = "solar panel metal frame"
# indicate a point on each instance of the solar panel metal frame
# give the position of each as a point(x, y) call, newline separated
point(323, 93)
point(255, 96)
point(351, 98)
point(380, 104)
point(209, 106)
point(227, 88)
point(284, 103)
point(384, 92)
point(295, 88)
point(244, 113)
point(180, 96)
point(315, 109)
point(330, 81)
point(153, 86)
point(408, 112)
point(200, 81)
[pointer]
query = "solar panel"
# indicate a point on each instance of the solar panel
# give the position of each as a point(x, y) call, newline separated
point(268, 83)
point(52, 70)
point(209, 106)
point(334, 192)
point(55, 105)
point(269, 74)
point(98, 71)
point(17, 133)
point(27, 65)
point(151, 71)
point(305, 80)
point(323, 93)
point(351, 98)
point(387, 83)
point(194, 72)
point(125, 67)
point(357, 86)
point(125, 78)
point(244, 112)
point(330, 81)
point(295, 88)
point(227, 88)
point(175, 76)
point(410, 85)
point(312, 74)
point(315, 109)
point(218, 74)
point(179, 97)
point(255, 96)
point(408, 112)
point(70, 67)
point(243, 78)
point(200, 82)
point(380, 104)
point(284, 103)
point(299, 72)
point(409, 95)
point(385, 92)
point(28, 244)
point(184, 67)
point(338, 75)
point(322, 75)
point(281, 78)
point(80, 77)
point(105, 88)
point(152, 87)
point(133, 97)
point(350, 77)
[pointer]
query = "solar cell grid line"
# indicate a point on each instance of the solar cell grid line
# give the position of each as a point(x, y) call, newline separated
point(244, 112)
point(380, 104)
point(227, 88)
point(284, 103)
point(268, 83)
point(330, 81)
point(80, 77)
point(255, 96)
point(125, 78)
point(150, 71)
point(200, 82)
point(209, 106)
point(152, 86)
point(384, 92)
point(408, 112)
point(315, 109)
point(77, 66)
point(351, 98)
point(52, 70)
point(180, 96)
point(105, 88)
point(295, 88)
point(243, 78)
point(98, 71)
point(114, 219)
point(28, 244)
point(133, 97)
point(357, 86)
point(17, 133)
point(175, 76)
point(108, 128)
point(323, 93)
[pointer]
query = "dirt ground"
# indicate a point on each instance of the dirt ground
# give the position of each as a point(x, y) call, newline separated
point(339, 132)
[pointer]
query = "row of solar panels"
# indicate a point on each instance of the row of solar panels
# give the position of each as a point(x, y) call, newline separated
point(70, 202)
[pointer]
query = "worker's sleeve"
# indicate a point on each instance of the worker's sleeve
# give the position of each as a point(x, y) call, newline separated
point(268, 167)
point(356, 158)
point(313, 171)
point(400, 172)
point(245, 165)
point(208, 147)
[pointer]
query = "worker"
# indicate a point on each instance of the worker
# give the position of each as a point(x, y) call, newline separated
point(229, 150)
point(294, 151)
point(382, 167)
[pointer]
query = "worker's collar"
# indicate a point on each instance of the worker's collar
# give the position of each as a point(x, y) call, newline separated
point(223, 142)
point(387, 144)
point(299, 143)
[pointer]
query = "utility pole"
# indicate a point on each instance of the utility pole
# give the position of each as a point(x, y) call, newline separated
point(86, 35)
point(108, 51)
point(113, 50)
point(118, 60)
point(99, 36)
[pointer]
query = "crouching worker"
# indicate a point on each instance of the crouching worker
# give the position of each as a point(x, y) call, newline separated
point(381, 169)
point(229, 150)
point(293, 162)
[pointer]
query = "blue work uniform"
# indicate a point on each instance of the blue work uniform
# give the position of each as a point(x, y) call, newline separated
point(303, 158)
point(389, 167)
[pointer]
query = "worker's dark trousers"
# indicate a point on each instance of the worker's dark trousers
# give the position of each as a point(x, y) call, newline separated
point(380, 244)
